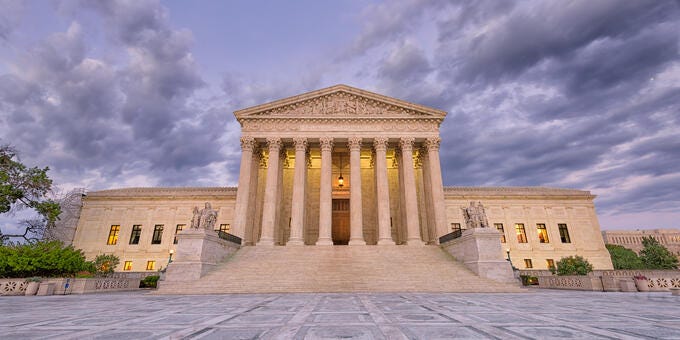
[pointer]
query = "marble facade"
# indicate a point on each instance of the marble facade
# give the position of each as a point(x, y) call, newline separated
point(294, 151)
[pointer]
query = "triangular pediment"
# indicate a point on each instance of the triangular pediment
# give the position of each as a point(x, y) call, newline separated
point(339, 101)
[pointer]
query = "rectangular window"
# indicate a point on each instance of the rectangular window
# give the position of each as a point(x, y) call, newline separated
point(178, 228)
point(550, 263)
point(150, 265)
point(113, 235)
point(136, 232)
point(225, 228)
point(157, 234)
point(564, 233)
point(521, 233)
point(127, 265)
point(455, 226)
point(528, 264)
point(542, 233)
point(499, 226)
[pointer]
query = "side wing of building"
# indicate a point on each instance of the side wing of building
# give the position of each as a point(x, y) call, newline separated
point(539, 225)
point(139, 224)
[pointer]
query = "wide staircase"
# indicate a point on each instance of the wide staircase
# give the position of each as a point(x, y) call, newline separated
point(338, 269)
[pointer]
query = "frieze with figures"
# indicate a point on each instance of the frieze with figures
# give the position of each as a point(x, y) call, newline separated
point(407, 125)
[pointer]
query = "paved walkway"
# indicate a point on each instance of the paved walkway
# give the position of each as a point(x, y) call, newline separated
point(537, 314)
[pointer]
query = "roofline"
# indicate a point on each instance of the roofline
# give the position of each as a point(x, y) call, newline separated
point(243, 113)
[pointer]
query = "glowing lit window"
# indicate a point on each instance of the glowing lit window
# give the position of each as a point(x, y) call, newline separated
point(542, 233)
point(136, 233)
point(550, 263)
point(528, 264)
point(225, 228)
point(150, 265)
point(113, 235)
point(157, 234)
point(455, 226)
point(564, 233)
point(178, 228)
point(499, 226)
point(127, 265)
point(521, 233)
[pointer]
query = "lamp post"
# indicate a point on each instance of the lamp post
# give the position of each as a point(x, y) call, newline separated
point(172, 251)
point(507, 251)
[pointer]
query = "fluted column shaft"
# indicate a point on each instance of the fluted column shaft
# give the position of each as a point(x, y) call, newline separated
point(325, 193)
point(437, 186)
point(355, 203)
point(270, 192)
point(299, 185)
point(410, 198)
point(241, 209)
point(383, 192)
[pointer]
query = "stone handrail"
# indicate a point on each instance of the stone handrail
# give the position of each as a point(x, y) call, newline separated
point(72, 285)
point(610, 280)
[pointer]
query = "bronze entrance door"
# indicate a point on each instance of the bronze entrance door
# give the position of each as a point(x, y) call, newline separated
point(340, 222)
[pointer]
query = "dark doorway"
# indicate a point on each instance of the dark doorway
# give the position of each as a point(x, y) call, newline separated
point(340, 221)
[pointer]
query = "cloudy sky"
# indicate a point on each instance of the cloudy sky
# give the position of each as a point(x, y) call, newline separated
point(575, 94)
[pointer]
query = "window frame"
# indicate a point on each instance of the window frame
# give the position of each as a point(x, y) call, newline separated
point(542, 230)
point(112, 240)
point(157, 237)
point(521, 236)
point(127, 266)
point(178, 228)
point(564, 232)
point(151, 265)
point(528, 264)
point(499, 227)
point(136, 231)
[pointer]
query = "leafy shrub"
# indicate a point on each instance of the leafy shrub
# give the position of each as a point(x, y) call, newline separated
point(44, 259)
point(655, 256)
point(105, 264)
point(149, 282)
point(528, 280)
point(624, 258)
point(573, 265)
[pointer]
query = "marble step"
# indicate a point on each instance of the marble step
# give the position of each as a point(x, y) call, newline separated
point(338, 269)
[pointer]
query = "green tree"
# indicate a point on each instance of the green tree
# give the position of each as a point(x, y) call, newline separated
point(42, 258)
point(106, 264)
point(624, 258)
point(573, 265)
point(23, 187)
point(655, 256)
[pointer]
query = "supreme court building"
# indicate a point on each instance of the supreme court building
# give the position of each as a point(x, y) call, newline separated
point(341, 166)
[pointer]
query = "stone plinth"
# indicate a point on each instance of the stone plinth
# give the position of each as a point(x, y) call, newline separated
point(198, 252)
point(480, 250)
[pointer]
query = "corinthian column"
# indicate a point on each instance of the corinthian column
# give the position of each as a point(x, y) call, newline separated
point(410, 198)
point(299, 185)
point(383, 192)
point(437, 187)
point(270, 193)
point(355, 211)
point(325, 193)
point(241, 209)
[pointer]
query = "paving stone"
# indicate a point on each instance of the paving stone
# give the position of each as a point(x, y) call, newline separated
point(536, 314)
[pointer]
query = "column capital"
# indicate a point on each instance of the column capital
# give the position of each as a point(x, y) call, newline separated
point(274, 143)
point(432, 143)
point(300, 143)
point(406, 143)
point(354, 143)
point(326, 143)
point(247, 143)
point(380, 143)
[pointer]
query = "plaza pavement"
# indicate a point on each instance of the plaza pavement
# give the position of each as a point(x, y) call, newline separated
point(535, 314)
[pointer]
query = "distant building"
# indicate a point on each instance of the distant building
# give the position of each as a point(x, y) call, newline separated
point(632, 239)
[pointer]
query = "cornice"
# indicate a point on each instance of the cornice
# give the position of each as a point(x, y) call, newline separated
point(518, 192)
point(163, 192)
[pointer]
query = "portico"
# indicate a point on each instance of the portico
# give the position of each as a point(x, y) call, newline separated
point(294, 151)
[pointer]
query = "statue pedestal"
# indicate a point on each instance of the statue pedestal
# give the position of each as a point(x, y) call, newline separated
point(198, 252)
point(480, 250)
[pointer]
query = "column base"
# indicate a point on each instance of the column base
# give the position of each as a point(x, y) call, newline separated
point(324, 242)
point(357, 242)
point(386, 242)
point(295, 243)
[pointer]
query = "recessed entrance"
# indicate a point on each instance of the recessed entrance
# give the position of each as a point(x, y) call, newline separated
point(340, 232)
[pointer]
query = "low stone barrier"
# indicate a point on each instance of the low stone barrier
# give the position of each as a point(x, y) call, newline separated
point(72, 285)
point(574, 282)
